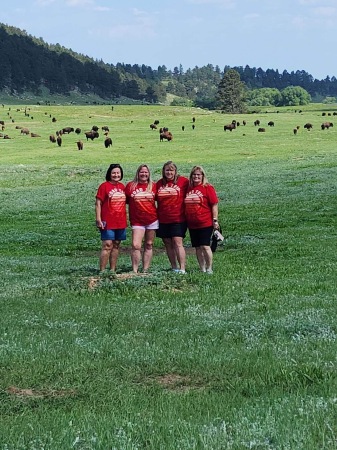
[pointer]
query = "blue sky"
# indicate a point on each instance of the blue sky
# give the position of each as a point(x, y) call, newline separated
point(271, 34)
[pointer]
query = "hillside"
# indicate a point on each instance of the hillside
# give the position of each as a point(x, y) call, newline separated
point(32, 68)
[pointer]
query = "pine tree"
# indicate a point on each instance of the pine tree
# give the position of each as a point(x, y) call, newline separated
point(231, 93)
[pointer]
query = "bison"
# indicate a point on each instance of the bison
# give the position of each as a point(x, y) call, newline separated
point(230, 127)
point(271, 123)
point(257, 122)
point(153, 126)
point(78, 130)
point(79, 145)
point(59, 141)
point(91, 134)
point(165, 135)
point(326, 125)
point(52, 138)
point(107, 142)
point(67, 130)
point(261, 130)
point(308, 126)
point(25, 131)
point(105, 128)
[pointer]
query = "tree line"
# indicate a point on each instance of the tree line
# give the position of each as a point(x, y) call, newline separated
point(29, 64)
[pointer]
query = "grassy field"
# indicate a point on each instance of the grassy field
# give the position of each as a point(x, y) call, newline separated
point(243, 359)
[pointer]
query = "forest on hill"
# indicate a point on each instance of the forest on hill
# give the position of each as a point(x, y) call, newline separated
point(28, 64)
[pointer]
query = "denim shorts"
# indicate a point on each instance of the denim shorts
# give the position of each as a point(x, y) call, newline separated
point(113, 235)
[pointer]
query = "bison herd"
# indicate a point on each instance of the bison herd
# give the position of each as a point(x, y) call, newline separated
point(164, 133)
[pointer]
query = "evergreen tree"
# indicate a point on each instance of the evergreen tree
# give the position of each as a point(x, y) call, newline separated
point(231, 93)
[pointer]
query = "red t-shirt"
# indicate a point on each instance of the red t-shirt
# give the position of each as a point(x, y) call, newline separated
point(113, 209)
point(198, 206)
point(170, 200)
point(142, 205)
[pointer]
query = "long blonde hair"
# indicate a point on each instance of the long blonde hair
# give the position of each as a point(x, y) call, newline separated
point(204, 180)
point(135, 181)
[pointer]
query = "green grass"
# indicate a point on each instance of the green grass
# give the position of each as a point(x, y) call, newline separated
point(243, 359)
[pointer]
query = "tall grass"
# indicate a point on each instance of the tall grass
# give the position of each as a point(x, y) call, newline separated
point(245, 358)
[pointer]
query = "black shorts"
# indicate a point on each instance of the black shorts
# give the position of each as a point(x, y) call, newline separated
point(201, 236)
point(170, 230)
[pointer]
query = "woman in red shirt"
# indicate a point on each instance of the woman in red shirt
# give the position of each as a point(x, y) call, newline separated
point(140, 195)
point(110, 208)
point(201, 208)
point(171, 191)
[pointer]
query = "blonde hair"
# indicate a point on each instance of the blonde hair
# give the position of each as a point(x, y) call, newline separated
point(136, 178)
point(204, 180)
point(172, 166)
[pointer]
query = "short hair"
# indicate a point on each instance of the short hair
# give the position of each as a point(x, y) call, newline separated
point(111, 168)
point(171, 165)
point(204, 179)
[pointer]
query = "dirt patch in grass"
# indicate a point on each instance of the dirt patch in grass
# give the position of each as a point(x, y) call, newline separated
point(178, 383)
point(44, 393)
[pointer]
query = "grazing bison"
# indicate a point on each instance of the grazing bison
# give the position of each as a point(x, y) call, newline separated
point(25, 131)
point(156, 122)
point(52, 138)
point(67, 130)
point(59, 141)
point(165, 135)
point(295, 130)
point(261, 130)
point(53, 119)
point(271, 123)
point(107, 142)
point(78, 130)
point(153, 126)
point(244, 123)
point(308, 126)
point(94, 128)
point(79, 145)
point(326, 125)
point(183, 128)
point(105, 128)
point(230, 127)
point(91, 135)
point(257, 122)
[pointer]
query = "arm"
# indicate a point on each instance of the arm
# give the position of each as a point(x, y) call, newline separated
point(215, 212)
point(98, 209)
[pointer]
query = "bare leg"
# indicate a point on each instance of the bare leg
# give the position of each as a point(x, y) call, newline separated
point(148, 248)
point(207, 256)
point(114, 255)
point(179, 251)
point(105, 254)
point(200, 258)
point(137, 237)
point(171, 253)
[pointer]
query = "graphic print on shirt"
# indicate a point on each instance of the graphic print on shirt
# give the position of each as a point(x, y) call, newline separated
point(117, 201)
point(169, 194)
point(143, 200)
point(193, 202)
